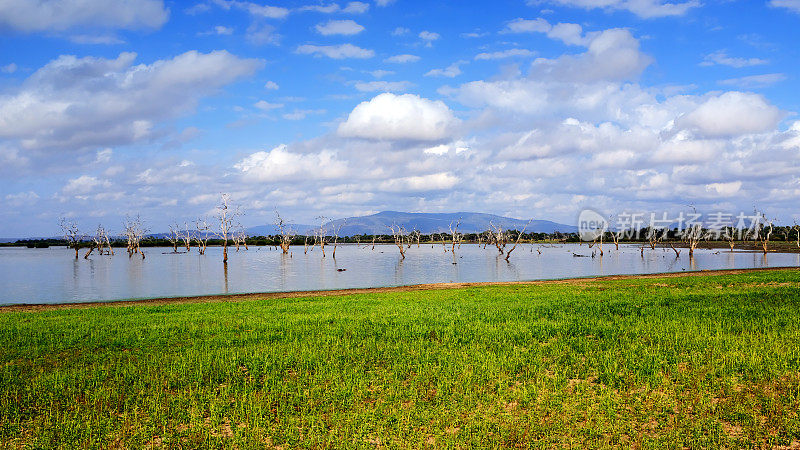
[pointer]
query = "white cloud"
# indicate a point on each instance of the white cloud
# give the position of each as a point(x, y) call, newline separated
point(429, 37)
point(83, 185)
point(341, 51)
point(402, 59)
point(721, 58)
point(22, 198)
point(646, 9)
point(9, 68)
point(381, 73)
point(384, 2)
point(420, 183)
point(73, 103)
point(502, 54)
point(384, 86)
point(731, 114)
point(103, 156)
point(282, 164)
point(271, 85)
point(791, 5)
point(568, 33)
point(219, 30)
point(754, 81)
point(64, 15)
point(520, 25)
point(400, 31)
point(356, 8)
point(611, 55)
point(342, 27)
point(399, 117)
point(267, 106)
point(451, 71)
point(263, 11)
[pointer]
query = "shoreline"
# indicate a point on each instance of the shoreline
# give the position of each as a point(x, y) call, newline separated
point(221, 298)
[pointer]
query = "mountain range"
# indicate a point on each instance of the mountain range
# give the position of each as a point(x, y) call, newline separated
point(426, 223)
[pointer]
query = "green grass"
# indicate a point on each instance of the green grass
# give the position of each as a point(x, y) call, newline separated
point(675, 362)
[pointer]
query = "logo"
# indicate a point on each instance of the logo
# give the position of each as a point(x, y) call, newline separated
point(591, 225)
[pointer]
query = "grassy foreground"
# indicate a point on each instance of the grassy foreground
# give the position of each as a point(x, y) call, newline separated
point(666, 362)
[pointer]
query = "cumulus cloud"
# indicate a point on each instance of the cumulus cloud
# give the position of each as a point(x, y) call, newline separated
point(341, 27)
point(430, 182)
point(502, 54)
point(402, 59)
point(721, 58)
point(646, 9)
point(791, 5)
point(568, 33)
point(731, 114)
point(429, 37)
point(399, 117)
point(83, 185)
point(73, 103)
point(611, 55)
point(64, 15)
point(451, 71)
point(282, 164)
point(341, 51)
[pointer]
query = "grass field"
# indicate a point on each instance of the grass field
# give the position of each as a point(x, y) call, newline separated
point(659, 362)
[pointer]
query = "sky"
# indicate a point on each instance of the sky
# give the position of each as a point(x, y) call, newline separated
point(534, 109)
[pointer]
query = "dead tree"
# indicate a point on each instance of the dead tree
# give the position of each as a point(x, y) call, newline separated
point(100, 240)
point(692, 236)
point(336, 229)
point(321, 233)
point(186, 236)
point(134, 233)
point(286, 233)
point(227, 217)
point(174, 237)
point(239, 238)
point(71, 234)
point(202, 234)
point(796, 229)
point(761, 230)
point(399, 235)
point(519, 236)
point(498, 237)
point(455, 235)
point(414, 236)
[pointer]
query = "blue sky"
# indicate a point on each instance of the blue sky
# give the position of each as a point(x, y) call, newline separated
point(528, 109)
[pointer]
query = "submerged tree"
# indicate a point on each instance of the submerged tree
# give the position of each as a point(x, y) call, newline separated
point(174, 237)
point(202, 234)
point(227, 216)
point(399, 235)
point(286, 233)
point(71, 234)
point(519, 236)
point(134, 231)
point(186, 236)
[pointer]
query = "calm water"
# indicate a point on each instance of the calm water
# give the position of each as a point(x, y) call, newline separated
point(53, 275)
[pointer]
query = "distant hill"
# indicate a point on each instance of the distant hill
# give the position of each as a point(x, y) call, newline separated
point(269, 230)
point(440, 222)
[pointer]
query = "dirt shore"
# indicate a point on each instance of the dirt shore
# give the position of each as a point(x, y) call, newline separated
point(23, 307)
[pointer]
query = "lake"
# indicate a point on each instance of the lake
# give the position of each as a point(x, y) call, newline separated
point(52, 275)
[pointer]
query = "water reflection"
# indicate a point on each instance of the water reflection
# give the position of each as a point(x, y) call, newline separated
point(53, 275)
